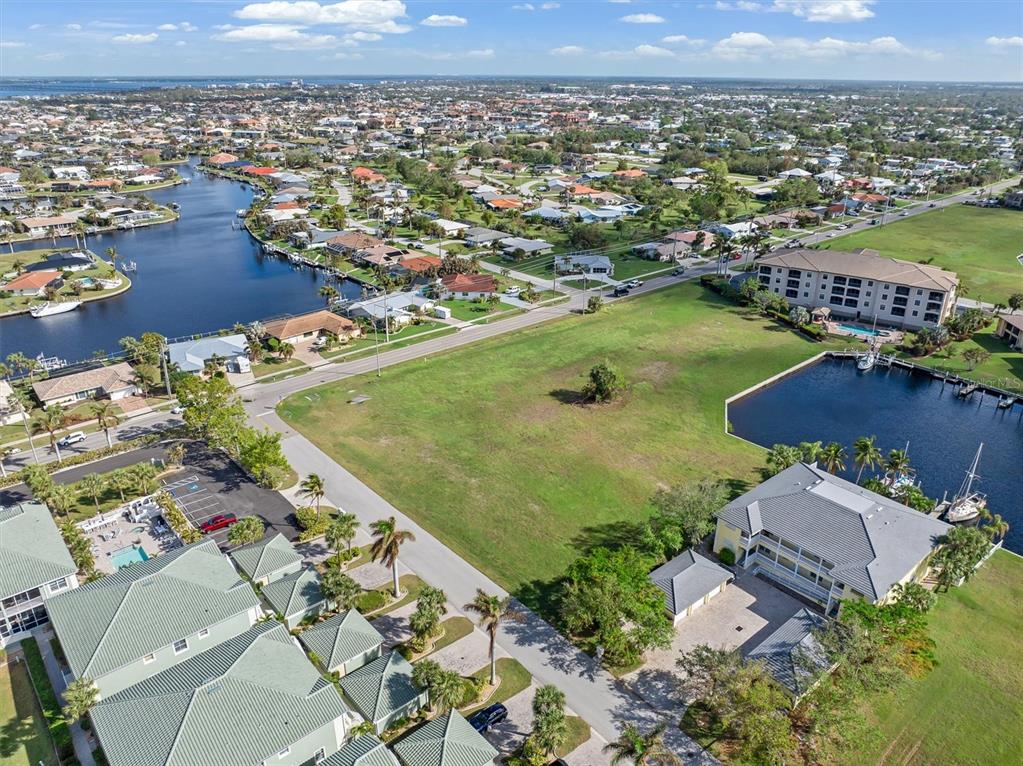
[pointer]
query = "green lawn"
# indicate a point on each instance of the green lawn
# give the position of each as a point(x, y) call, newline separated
point(979, 244)
point(531, 478)
point(467, 310)
point(968, 709)
point(1004, 368)
point(24, 740)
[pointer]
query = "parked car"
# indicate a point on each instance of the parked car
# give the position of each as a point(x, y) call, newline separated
point(874, 222)
point(633, 283)
point(678, 270)
point(490, 716)
point(177, 409)
point(842, 227)
point(513, 291)
point(220, 521)
point(72, 438)
point(903, 214)
point(620, 291)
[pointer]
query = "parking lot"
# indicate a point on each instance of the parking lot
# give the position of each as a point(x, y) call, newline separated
point(198, 503)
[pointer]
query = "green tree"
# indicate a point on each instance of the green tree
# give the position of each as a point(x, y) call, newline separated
point(605, 383)
point(866, 453)
point(314, 488)
point(961, 550)
point(492, 612)
point(340, 532)
point(993, 525)
point(121, 481)
point(915, 596)
point(80, 696)
point(594, 304)
point(833, 457)
point(247, 529)
point(782, 456)
point(340, 589)
point(50, 420)
point(550, 725)
point(262, 456)
point(387, 542)
point(685, 514)
point(62, 499)
point(106, 418)
point(143, 478)
point(895, 464)
point(425, 674)
point(213, 412)
point(425, 620)
point(974, 357)
point(642, 748)
point(93, 485)
point(1016, 301)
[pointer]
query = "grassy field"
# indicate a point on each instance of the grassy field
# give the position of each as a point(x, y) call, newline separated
point(489, 449)
point(968, 710)
point(1004, 368)
point(25, 741)
point(979, 244)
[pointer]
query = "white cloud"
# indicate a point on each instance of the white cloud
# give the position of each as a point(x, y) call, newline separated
point(368, 15)
point(568, 50)
point(524, 7)
point(643, 18)
point(652, 51)
point(168, 27)
point(184, 26)
point(831, 11)
point(283, 37)
point(12, 44)
point(683, 40)
point(1005, 42)
point(482, 53)
point(364, 37)
point(437, 20)
point(342, 56)
point(752, 46)
point(73, 27)
point(133, 39)
point(549, 6)
point(51, 56)
point(36, 26)
point(531, 7)
point(180, 44)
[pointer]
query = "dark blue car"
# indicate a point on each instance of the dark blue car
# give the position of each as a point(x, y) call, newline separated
point(488, 717)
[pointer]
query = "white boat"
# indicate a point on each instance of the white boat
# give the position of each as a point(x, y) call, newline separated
point(107, 284)
point(241, 212)
point(51, 307)
point(967, 504)
point(866, 361)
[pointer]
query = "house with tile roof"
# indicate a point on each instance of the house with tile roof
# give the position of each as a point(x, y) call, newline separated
point(792, 653)
point(32, 283)
point(366, 750)
point(114, 382)
point(344, 643)
point(251, 700)
point(314, 324)
point(689, 581)
point(827, 538)
point(468, 286)
point(270, 559)
point(143, 619)
point(34, 566)
point(295, 596)
point(383, 692)
point(447, 740)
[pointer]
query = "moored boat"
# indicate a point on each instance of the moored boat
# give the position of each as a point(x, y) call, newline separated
point(51, 308)
point(967, 505)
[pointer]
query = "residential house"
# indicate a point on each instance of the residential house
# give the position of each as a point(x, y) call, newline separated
point(75, 261)
point(114, 382)
point(689, 581)
point(315, 324)
point(524, 248)
point(396, 308)
point(36, 565)
point(351, 242)
point(295, 596)
point(33, 283)
point(192, 355)
point(468, 286)
point(478, 236)
point(383, 692)
point(827, 538)
point(10, 411)
point(1010, 329)
point(45, 226)
point(251, 700)
point(344, 642)
point(792, 653)
point(366, 750)
point(447, 740)
point(862, 284)
point(130, 625)
point(270, 559)
point(584, 264)
point(450, 228)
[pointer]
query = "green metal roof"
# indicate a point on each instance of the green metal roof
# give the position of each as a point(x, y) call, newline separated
point(126, 615)
point(262, 559)
point(294, 593)
point(341, 638)
point(382, 687)
point(448, 740)
point(362, 751)
point(32, 551)
point(240, 702)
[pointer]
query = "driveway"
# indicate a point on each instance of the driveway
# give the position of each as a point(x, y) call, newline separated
point(466, 655)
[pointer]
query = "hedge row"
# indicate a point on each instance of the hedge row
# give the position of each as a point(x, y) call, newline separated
point(52, 713)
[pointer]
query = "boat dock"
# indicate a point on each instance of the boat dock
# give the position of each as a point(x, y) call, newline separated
point(300, 260)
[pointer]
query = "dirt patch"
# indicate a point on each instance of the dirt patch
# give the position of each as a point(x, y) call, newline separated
point(656, 372)
point(542, 411)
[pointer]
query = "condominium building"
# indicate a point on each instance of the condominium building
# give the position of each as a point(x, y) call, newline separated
point(862, 285)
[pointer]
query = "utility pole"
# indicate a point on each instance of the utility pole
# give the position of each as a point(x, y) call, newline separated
point(163, 364)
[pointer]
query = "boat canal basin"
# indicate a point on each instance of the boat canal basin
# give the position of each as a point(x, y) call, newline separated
point(830, 400)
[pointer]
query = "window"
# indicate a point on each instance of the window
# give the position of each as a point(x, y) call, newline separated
point(181, 645)
point(930, 317)
point(320, 755)
point(898, 311)
point(204, 632)
point(839, 280)
point(148, 658)
point(792, 293)
point(284, 753)
point(58, 585)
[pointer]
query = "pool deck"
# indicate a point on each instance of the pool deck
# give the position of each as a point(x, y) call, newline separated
point(120, 533)
point(885, 335)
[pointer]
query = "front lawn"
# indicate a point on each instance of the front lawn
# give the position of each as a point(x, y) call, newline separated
point(25, 741)
point(979, 244)
point(487, 447)
point(1003, 368)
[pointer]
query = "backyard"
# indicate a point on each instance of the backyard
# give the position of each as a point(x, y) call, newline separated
point(24, 740)
point(534, 477)
point(979, 244)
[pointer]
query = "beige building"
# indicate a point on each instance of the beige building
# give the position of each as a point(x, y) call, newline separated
point(114, 382)
point(862, 285)
point(1010, 329)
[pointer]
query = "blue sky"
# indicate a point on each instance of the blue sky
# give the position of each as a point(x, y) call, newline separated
point(849, 39)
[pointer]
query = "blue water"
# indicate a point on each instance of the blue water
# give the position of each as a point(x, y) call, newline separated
point(130, 555)
point(865, 331)
point(831, 401)
point(194, 275)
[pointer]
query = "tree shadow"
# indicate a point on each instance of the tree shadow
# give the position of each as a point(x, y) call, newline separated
point(568, 396)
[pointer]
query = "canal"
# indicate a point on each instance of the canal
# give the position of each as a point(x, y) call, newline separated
point(832, 401)
point(195, 275)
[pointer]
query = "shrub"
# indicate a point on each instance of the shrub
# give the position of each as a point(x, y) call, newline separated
point(372, 600)
point(727, 556)
point(312, 525)
point(52, 712)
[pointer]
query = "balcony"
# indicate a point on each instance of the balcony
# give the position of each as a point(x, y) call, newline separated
point(788, 578)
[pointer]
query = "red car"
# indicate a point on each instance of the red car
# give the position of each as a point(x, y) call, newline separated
point(220, 521)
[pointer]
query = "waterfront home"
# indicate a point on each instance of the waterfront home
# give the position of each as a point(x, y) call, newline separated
point(192, 355)
point(397, 308)
point(45, 226)
point(383, 691)
point(33, 283)
point(584, 264)
point(154, 614)
point(72, 261)
point(689, 581)
point(269, 559)
point(827, 538)
point(36, 566)
point(253, 699)
point(343, 643)
point(467, 286)
point(417, 265)
point(437, 742)
point(351, 242)
point(295, 596)
point(366, 750)
point(792, 653)
point(314, 239)
point(315, 324)
point(1010, 329)
point(113, 382)
point(862, 285)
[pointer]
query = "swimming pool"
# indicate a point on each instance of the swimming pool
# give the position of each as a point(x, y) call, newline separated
point(86, 281)
point(865, 331)
point(122, 557)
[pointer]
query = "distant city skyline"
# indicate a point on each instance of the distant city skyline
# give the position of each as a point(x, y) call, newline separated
point(806, 39)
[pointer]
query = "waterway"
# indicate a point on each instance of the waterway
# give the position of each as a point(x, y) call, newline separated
point(832, 401)
point(197, 274)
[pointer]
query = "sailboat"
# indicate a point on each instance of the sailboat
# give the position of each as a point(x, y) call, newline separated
point(967, 504)
point(866, 361)
point(905, 478)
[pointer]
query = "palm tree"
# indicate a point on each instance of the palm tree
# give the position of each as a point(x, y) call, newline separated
point(106, 418)
point(492, 610)
point(387, 541)
point(642, 749)
point(448, 691)
point(62, 498)
point(286, 350)
point(340, 589)
point(896, 463)
point(24, 405)
point(50, 420)
point(994, 526)
point(254, 349)
point(341, 530)
point(865, 452)
point(112, 254)
point(93, 485)
point(313, 487)
point(833, 457)
point(121, 481)
point(329, 292)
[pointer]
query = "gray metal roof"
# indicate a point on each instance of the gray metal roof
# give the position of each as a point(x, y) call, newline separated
point(341, 638)
point(269, 555)
point(191, 355)
point(872, 541)
point(237, 703)
point(32, 551)
point(448, 740)
point(294, 593)
point(366, 750)
point(792, 650)
point(687, 578)
point(382, 687)
point(126, 615)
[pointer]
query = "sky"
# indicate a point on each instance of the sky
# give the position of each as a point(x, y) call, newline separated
point(957, 40)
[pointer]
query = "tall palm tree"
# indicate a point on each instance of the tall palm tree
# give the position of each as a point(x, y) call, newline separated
point(328, 292)
point(896, 463)
point(23, 405)
point(994, 526)
point(833, 457)
point(492, 611)
point(866, 452)
point(642, 749)
point(314, 488)
point(387, 541)
point(106, 418)
point(113, 255)
point(341, 531)
point(93, 485)
point(61, 499)
point(50, 420)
